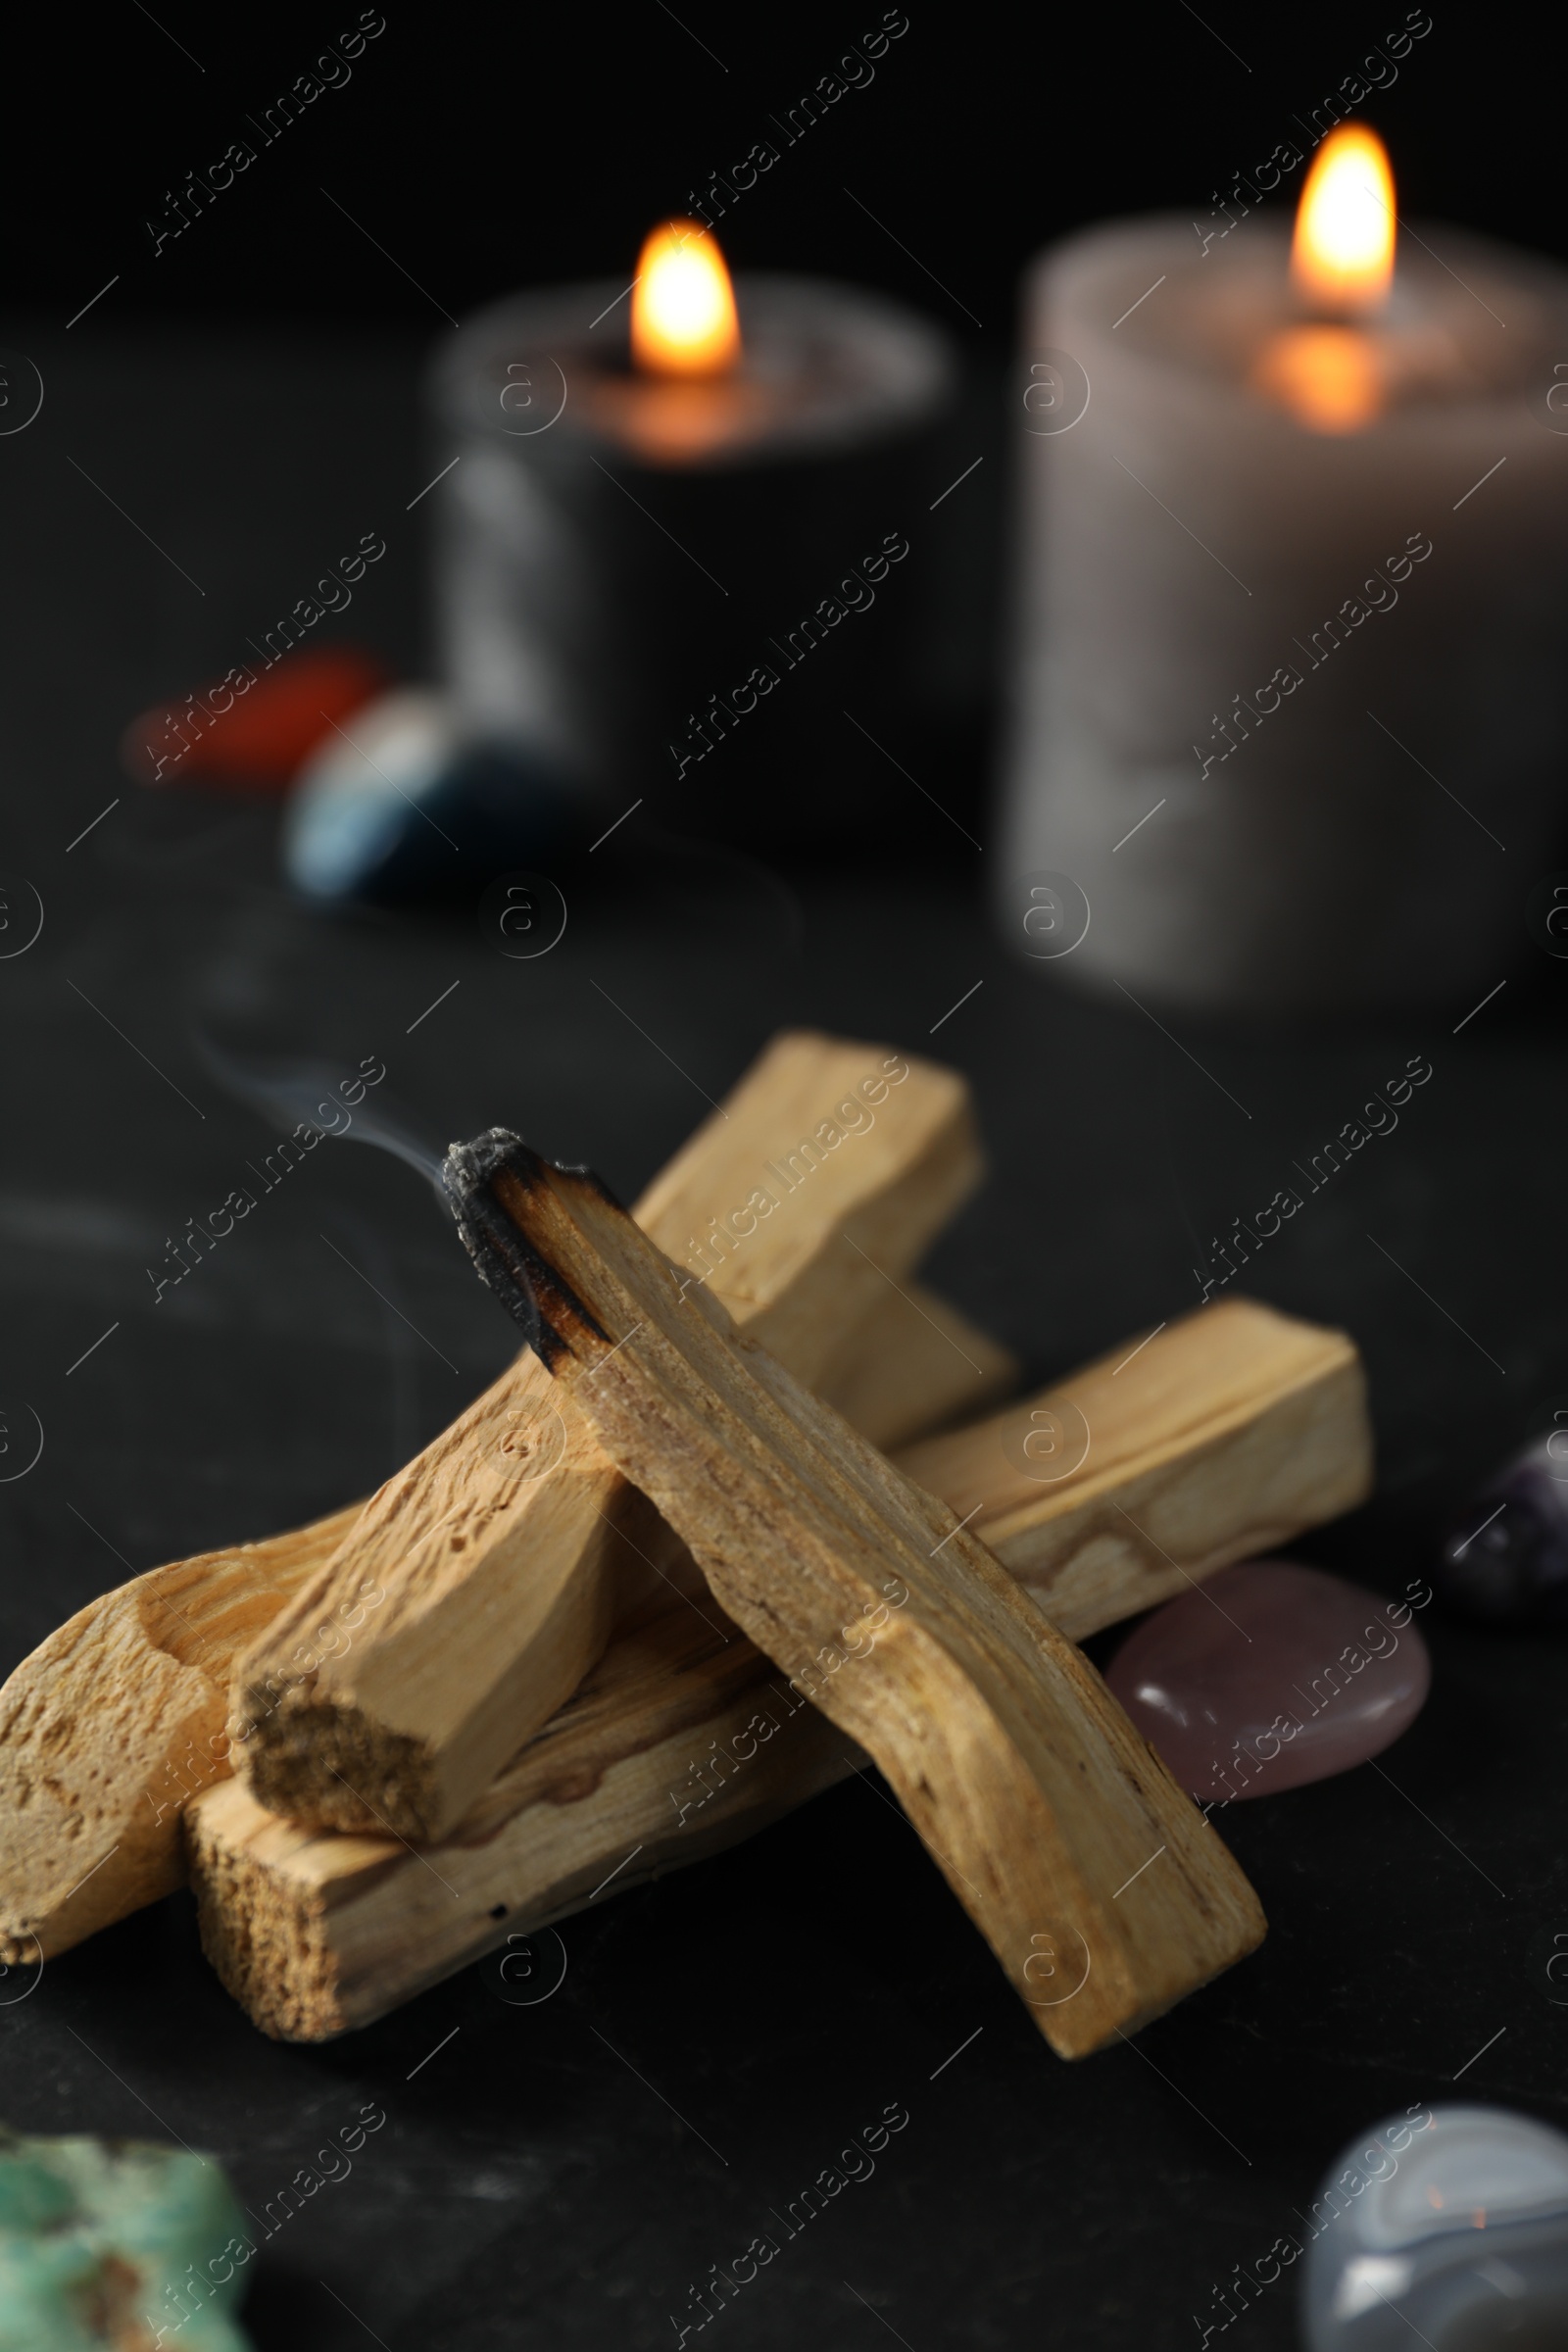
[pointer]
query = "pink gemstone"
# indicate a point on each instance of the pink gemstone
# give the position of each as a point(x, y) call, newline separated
point(1269, 1675)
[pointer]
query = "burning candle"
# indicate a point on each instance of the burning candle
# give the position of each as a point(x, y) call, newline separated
point(676, 541)
point(1290, 704)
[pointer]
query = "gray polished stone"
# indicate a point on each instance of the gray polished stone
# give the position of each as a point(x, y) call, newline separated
point(1453, 2234)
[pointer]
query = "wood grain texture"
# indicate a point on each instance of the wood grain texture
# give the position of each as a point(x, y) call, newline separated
point(1030, 1788)
point(316, 1932)
point(508, 1549)
point(846, 1213)
point(667, 1751)
point(115, 1722)
point(1226, 1443)
point(1211, 1440)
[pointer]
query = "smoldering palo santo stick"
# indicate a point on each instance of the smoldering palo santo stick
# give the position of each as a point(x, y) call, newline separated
point(1213, 1439)
point(504, 1551)
point(1029, 1787)
point(443, 1614)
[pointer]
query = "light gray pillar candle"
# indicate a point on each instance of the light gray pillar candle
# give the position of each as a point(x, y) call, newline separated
point(1288, 705)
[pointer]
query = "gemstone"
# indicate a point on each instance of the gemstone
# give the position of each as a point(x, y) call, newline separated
point(1506, 1556)
point(1443, 2225)
point(253, 737)
point(409, 810)
point(1269, 1675)
point(108, 2241)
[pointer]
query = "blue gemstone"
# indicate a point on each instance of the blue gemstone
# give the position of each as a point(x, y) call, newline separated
point(397, 808)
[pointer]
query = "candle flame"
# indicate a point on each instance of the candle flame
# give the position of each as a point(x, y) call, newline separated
point(1342, 260)
point(683, 318)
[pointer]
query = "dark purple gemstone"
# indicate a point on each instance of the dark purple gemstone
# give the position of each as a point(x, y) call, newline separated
point(1506, 1558)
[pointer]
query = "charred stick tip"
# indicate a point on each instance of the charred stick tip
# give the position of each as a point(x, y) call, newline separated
point(533, 1292)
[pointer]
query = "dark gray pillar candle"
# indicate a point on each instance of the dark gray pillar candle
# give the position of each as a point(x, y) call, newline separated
point(671, 589)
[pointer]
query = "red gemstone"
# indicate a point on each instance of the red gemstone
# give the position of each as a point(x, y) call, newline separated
point(253, 731)
point(1269, 1675)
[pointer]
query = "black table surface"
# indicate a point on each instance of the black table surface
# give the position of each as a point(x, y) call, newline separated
point(565, 2174)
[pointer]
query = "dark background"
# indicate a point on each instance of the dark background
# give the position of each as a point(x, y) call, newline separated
point(250, 399)
point(487, 148)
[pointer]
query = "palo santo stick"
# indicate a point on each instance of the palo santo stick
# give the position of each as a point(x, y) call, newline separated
point(318, 1933)
point(115, 1721)
point(507, 1550)
point(845, 1215)
point(1033, 1792)
point(1214, 1440)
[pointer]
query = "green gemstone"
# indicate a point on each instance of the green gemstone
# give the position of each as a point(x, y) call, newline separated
point(119, 2243)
